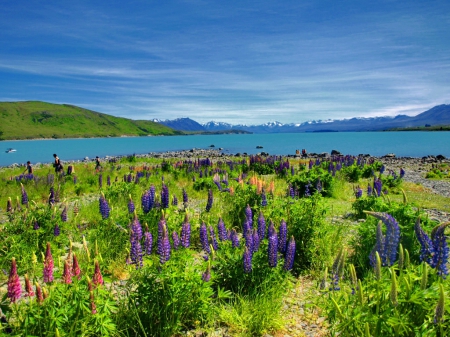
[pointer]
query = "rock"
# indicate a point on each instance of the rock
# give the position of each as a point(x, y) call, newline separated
point(440, 157)
point(389, 155)
point(259, 147)
point(335, 153)
point(212, 145)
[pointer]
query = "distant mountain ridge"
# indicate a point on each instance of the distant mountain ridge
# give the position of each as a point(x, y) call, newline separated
point(438, 115)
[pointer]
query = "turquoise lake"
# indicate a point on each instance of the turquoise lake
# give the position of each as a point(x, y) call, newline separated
point(403, 144)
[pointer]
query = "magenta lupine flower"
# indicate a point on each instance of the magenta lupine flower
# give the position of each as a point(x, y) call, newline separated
point(204, 238)
point(67, 274)
point(93, 306)
point(148, 242)
point(247, 260)
point(14, 287)
point(261, 226)
point(165, 248)
point(290, 255)
point(249, 215)
point(282, 237)
point(56, 230)
point(104, 207)
point(210, 200)
point(76, 271)
point(97, 279)
point(130, 205)
point(48, 265)
point(64, 214)
point(165, 199)
point(222, 230)
point(28, 287)
point(175, 240)
point(273, 250)
point(212, 236)
point(39, 294)
point(24, 196)
point(186, 233)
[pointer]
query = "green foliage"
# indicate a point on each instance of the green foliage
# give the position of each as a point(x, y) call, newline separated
point(312, 178)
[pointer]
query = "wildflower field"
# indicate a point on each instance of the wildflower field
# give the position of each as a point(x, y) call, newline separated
point(175, 247)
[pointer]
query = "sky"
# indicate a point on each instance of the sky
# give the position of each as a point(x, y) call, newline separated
point(241, 62)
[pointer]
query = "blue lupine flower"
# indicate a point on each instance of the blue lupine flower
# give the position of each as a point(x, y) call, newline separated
point(210, 200)
point(136, 227)
point(64, 214)
point(382, 169)
point(379, 247)
point(204, 238)
point(174, 201)
point(108, 180)
point(222, 230)
point(186, 233)
point(56, 230)
point(104, 207)
point(263, 199)
point(256, 240)
point(369, 190)
point(145, 202)
point(261, 226)
point(319, 185)
point(441, 251)
point(271, 231)
point(290, 255)
point(247, 259)
point(427, 247)
point(358, 192)
point(402, 172)
point(135, 250)
point(291, 192)
point(161, 229)
point(282, 237)
point(51, 198)
point(175, 240)
point(307, 189)
point(206, 276)
point(24, 196)
point(165, 248)
point(392, 238)
point(185, 197)
point(234, 239)
point(100, 180)
point(130, 205)
point(165, 199)
point(148, 242)
point(212, 236)
point(377, 186)
point(273, 251)
point(151, 192)
point(249, 215)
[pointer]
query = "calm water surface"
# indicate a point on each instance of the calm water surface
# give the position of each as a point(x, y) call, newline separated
point(403, 144)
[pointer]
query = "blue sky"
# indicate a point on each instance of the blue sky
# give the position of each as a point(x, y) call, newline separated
point(233, 61)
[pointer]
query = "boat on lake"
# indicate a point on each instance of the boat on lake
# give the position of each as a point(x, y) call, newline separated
point(10, 150)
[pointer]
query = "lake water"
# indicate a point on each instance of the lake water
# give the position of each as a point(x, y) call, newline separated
point(403, 144)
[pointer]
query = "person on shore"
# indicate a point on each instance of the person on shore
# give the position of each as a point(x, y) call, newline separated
point(29, 168)
point(57, 164)
point(98, 166)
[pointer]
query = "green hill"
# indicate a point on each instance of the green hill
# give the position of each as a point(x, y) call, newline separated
point(31, 120)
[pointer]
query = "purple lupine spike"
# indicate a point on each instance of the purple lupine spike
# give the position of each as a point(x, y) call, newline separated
point(379, 247)
point(271, 231)
point(209, 203)
point(248, 237)
point(263, 199)
point(222, 230)
point(165, 248)
point(290, 255)
point(136, 227)
point(382, 168)
point(186, 233)
point(165, 198)
point(48, 265)
point(249, 215)
point(161, 229)
point(129, 178)
point(247, 260)
point(185, 197)
point(234, 239)
point(369, 190)
point(130, 205)
point(292, 171)
point(175, 240)
point(246, 226)
point(441, 251)
point(75, 180)
point(310, 164)
point(104, 207)
point(64, 214)
point(291, 192)
point(152, 198)
point(174, 201)
point(273, 251)
point(145, 202)
point(392, 238)
point(148, 242)
point(135, 250)
point(213, 239)
point(282, 237)
point(402, 172)
point(206, 276)
point(51, 198)
point(36, 225)
point(56, 230)
point(261, 226)
point(307, 190)
point(377, 186)
point(100, 180)
point(24, 196)
point(14, 287)
point(204, 238)
point(256, 240)
point(358, 192)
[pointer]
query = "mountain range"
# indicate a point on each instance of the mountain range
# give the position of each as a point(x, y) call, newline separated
point(438, 115)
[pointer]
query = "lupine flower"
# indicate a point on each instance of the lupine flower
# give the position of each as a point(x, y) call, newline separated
point(131, 207)
point(39, 295)
point(93, 306)
point(441, 251)
point(206, 276)
point(248, 237)
point(48, 265)
point(323, 281)
point(36, 225)
point(185, 198)
point(358, 192)
point(382, 169)
point(247, 259)
point(75, 266)
point(263, 199)
point(56, 230)
point(307, 190)
point(28, 287)
point(14, 287)
point(176, 240)
point(261, 226)
point(379, 245)
point(377, 187)
point(51, 197)
point(402, 172)
point(440, 307)
point(337, 269)
point(234, 239)
point(67, 274)
point(291, 192)
point(204, 238)
point(392, 237)
point(249, 215)
point(64, 214)
point(165, 199)
point(152, 199)
point(148, 242)
point(369, 190)
point(210, 200)
point(174, 201)
point(97, 279)
point(104, 207)
point(24, 196)
point(256, 240)
point(271, 231)
point(427, 247)
point(290, 254)
point(212, 236)
point(186, 233)
point(273, 250)
point(136, 227)
point(222, 230)
point(282, 237)
point(165, 248)
point(145, 201)
point(100, 180)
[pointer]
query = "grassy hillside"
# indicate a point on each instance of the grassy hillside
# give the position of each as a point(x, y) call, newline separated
point(30, 120)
